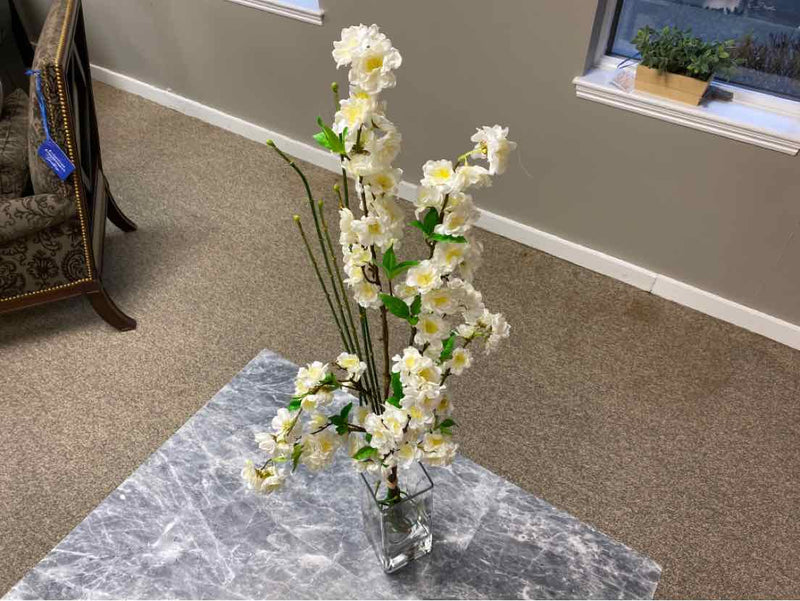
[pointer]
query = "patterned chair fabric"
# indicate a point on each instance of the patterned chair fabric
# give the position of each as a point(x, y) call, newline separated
point(41, 236)
point(13, 145)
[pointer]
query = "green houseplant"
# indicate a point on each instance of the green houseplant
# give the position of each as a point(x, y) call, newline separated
point(677, 65)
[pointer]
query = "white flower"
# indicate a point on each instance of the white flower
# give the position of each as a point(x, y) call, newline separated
point(317, 421)
point(346, 233)
point(440, 300)
point(285, 425)
point(356, 256)
point(320, 399)
point(405, 292)
point(459, 220)
point(263, 481)
point(319, 449)
point(407, 455)
point(472, 259)
point(313, 373)
point(409, 363)
point(431, 328)
point(373, 230)
point(272, 482)
point(354, 112)
point(383, 182)
point(428, 198)
point(419, 417)
point(360, 415)
point(493, 143)
point(468, 176)
point(460, 361)
point(448, 256)
point(424, 277)
point(394, 420)
point(354, 366)
point(366, 294)
point(352, 42)
point(373, 64)
point(500, 329)
point(266, 442)
point(438, 449)
point(382, 439)
point(438, 175)
point(444, 408)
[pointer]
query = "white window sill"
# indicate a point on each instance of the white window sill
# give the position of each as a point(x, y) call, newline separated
point(751, 117)
point(285, 9)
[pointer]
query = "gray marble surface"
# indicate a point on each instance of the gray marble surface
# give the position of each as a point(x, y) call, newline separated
point(183, 526)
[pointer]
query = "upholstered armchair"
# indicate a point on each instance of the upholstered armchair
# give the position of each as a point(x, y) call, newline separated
point(51, 240)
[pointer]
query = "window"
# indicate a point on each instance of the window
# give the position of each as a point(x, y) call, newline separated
point(767, 35)
point(760, 105)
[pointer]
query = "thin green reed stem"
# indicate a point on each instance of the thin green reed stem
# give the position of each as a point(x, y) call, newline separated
point(321, 281)
point(371, 353)
point(299, 172)
point(339, 280)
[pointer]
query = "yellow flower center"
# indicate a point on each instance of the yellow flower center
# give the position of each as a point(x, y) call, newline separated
point(374, 62)
point(442, 173)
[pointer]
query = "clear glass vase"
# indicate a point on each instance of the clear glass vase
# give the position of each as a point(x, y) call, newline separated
point(399, 531)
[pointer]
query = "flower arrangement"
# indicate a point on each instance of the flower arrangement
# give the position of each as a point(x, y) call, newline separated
point(403, 415)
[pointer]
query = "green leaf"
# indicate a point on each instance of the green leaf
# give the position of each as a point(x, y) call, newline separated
point(397, 385)
point(392, 267)
point(322, 140)
point(430, 221)
point(368, 438)
point(448, 238)
point(419, 225)
point(365, 453)
point(331, 140)
point(416, 306)
point(395, 306)
point(346, 410)
point(389, 260)
point(447, 347)
point(448, 423)
point(393, 400)
point(294, 405)
point(296, 452)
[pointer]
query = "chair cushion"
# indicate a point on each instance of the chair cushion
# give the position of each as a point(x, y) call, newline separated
point(21, 217)
point(51, 257)
point(45, 60)
point(13, 145)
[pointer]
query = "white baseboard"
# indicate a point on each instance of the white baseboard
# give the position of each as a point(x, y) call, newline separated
point(674, 290)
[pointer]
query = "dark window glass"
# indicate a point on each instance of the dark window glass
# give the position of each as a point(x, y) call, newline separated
point(767, 34)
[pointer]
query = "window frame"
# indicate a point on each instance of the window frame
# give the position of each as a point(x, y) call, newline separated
point(285, 8)
point(752, 116)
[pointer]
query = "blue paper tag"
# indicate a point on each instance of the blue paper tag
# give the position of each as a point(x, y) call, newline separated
point(56, 159)
point(49, 151)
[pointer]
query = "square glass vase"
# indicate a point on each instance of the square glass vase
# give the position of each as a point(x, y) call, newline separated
point(399, 531)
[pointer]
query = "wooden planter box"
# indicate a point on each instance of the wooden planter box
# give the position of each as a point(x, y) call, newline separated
point(669, 85)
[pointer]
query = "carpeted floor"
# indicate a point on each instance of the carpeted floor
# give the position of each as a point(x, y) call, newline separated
point(669, 430)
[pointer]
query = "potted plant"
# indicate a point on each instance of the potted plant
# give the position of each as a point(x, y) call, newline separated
point(677, 65)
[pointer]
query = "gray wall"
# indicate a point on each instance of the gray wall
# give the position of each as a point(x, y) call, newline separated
point(715, 213)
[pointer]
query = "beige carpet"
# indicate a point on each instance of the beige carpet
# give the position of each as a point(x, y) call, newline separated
point(671, 431)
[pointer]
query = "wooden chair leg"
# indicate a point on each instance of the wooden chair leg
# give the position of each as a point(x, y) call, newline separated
point(106, 309)
point(115, 214)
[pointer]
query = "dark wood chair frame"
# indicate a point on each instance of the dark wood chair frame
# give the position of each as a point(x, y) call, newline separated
point(94, 201)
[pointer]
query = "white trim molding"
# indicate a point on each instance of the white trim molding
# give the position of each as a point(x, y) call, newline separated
point(740, 121)
point(285, 9)
point(635, 275)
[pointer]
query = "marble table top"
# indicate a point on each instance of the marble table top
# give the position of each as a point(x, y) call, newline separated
point(183, 526)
